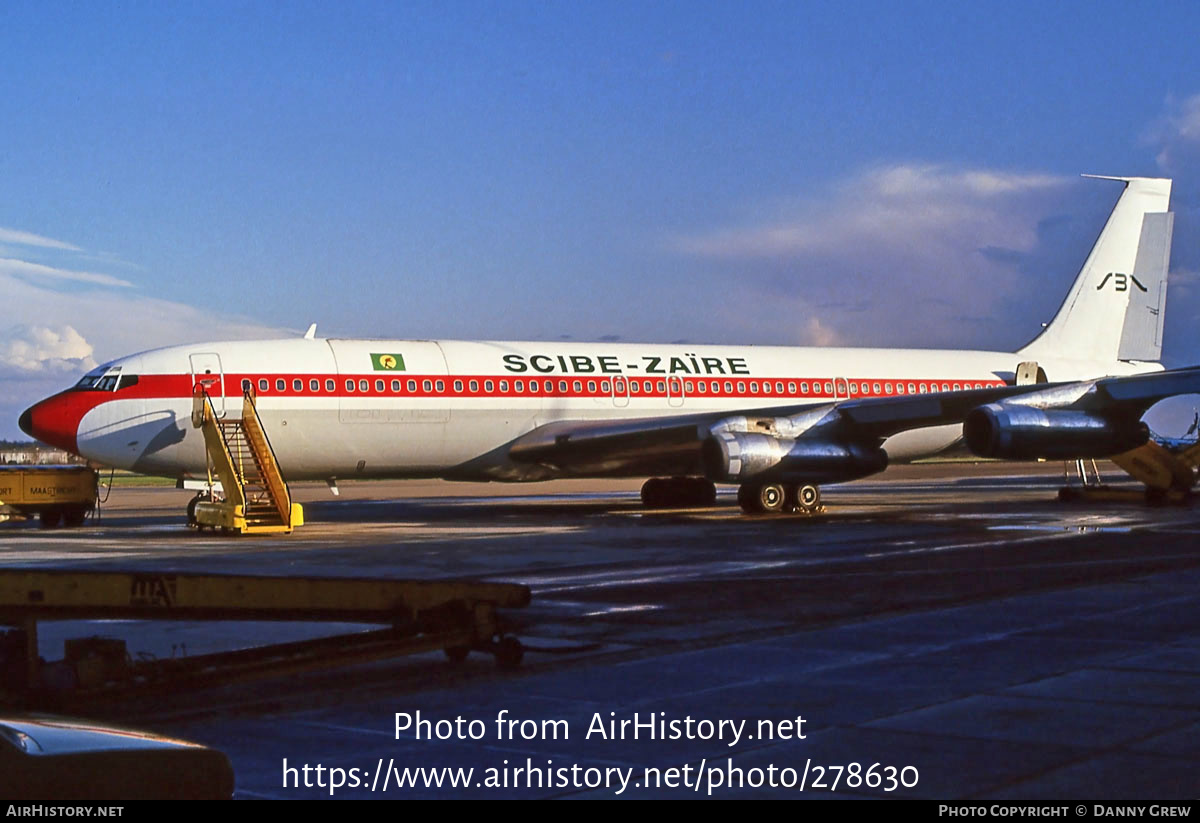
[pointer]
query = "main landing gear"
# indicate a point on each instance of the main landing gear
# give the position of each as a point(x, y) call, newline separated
point(775, 498)
point(754, 498)
point(678, 492)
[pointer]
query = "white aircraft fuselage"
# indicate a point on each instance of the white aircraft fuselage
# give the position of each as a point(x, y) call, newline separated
point(419, 408)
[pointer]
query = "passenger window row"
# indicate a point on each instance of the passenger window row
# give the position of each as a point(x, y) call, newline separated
point(673, 387)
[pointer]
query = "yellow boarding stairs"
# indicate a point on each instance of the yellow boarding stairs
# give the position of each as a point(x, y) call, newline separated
point(1169, 474)
point(257, 500)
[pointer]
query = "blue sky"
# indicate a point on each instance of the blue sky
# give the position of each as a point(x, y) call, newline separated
point(793, 173)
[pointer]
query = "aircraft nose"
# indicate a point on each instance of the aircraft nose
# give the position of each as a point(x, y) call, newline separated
point(54, 421)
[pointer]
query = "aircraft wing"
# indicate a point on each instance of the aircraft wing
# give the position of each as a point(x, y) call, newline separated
point(568, 441)
point(1101, 408)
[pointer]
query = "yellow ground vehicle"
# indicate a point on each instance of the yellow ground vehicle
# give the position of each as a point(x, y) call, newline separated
point(56, 494)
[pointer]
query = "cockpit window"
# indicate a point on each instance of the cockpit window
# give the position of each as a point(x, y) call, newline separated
point(105, 378)
point(89, 380)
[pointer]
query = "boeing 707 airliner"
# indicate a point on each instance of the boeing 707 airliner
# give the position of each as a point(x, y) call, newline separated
point(777, 422)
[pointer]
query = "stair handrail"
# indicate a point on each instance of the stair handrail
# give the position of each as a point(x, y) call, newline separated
point(204, 417)
point(273, 474)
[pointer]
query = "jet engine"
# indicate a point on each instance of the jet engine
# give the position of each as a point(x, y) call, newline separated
point(735, 457)
point(1015, 432)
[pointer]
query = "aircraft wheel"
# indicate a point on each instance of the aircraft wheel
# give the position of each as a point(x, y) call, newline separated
point(748, 499)
point(772, 497)
point(679, 492)
point(808, 498)
point(693, 491)
point(705, 492)
point(654, 493)
point(663, 493)
point(457, 654)
point(762, 497)
point(509, 653)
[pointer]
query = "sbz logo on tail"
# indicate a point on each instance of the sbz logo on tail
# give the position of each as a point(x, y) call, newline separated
point(1120, 281)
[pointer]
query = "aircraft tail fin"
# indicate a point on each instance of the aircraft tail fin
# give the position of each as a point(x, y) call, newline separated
point(1115, 308)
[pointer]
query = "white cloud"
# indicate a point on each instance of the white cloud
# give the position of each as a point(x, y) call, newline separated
point(907, 255)
point(899, 208)
point(38, 271)
point(118, 322)
point(1176, 135)
point(17, 237)
point(816, 333)
point(40, 351)
point(67, 320)
point(934, 180)
point(66, 333)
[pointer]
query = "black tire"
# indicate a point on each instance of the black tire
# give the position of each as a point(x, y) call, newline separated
point(652, 493)
point(703, 492)
point(748, 498)
point(50, 518)
point(676, 492)
point(509, 653)
point(74, 516)
point(755, 498)
point(457, 654)
point(772, 497)
point(191, 508)
point(808, 498)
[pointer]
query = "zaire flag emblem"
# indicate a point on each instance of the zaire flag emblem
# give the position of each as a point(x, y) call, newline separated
point(387, 362)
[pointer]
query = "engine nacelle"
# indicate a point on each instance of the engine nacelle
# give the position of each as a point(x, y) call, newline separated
point(1014, 432)
point(735, 457)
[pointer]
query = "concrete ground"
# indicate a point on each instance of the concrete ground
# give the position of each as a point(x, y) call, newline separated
point(953, 630)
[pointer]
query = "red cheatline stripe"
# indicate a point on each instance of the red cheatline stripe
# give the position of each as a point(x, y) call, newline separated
point(331, 385)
